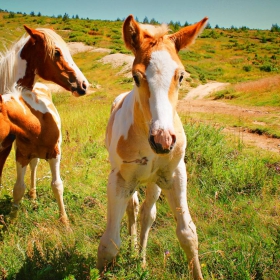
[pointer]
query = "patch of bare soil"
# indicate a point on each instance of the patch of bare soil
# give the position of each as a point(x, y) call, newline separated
point(120, 60)
point(77, 47)
point(194, 102)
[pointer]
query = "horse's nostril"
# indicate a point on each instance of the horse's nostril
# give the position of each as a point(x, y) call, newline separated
point(84, 85)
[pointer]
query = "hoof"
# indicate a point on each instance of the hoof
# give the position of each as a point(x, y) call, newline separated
point(64, 220)
point(32, 194)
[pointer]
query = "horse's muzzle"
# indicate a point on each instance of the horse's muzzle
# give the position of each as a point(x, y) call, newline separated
point(158, 148)
point(80, 89)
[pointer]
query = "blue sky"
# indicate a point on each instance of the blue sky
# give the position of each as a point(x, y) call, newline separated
point(259, 14)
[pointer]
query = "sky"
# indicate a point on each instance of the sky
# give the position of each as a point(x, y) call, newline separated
point(255, 14)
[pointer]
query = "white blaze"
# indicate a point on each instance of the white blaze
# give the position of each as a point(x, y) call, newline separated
point(159, 75)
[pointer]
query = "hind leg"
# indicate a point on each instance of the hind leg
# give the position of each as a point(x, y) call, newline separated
point(3, 157)
point(19, 187)
point(186, 230)
point(33, 167)
point(148, 216)
point(57, 187)
point(132, 211)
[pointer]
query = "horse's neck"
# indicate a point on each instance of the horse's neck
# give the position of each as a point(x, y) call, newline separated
point(25, 75)
point(139, 114)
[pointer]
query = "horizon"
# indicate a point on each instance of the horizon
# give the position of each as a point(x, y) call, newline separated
point(253, 14)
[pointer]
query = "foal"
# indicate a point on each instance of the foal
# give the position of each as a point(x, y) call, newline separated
point(146, 141)
point(33, 121)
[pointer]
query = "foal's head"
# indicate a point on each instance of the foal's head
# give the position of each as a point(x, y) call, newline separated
point(158, 72)
point(48, 56)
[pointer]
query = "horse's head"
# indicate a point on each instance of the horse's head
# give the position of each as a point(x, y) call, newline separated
point(158, 72)
point(48, 56)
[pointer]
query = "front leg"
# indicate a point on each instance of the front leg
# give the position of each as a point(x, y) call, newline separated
point(57, 187)
point(186, 230)
point(117, 199)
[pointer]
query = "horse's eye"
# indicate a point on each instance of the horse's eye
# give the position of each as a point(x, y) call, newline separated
point(136, 80)
point(57, 53)
point(181, 78)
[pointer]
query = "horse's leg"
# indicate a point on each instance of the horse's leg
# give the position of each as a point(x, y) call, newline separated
point(3, 157)
point(132, 211)
point(33, 167)
point(186, 230)
point(117, 200)
point(57, 187)
point(19, 187)
point(147, 216)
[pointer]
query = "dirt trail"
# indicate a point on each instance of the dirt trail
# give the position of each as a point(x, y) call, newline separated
point(194, 103)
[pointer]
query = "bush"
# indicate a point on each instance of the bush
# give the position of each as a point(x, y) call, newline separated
point(247, 68)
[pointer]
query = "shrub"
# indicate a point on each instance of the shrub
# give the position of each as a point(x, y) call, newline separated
point(247, 68)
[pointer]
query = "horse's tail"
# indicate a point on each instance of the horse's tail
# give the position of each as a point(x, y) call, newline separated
point(5, 153)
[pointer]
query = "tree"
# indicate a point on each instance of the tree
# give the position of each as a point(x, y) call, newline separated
point(275, 28)
point(32, 14)
point(145, 20)
point(65, 17)
point(153, 21)
point(39, 14)
point(11, 15)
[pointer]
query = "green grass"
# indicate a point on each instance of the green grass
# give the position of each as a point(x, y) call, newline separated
point(233, 192)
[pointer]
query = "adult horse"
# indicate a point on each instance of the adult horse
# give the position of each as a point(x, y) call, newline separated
point(146, 141)
point(41, 54)
point(32, 119)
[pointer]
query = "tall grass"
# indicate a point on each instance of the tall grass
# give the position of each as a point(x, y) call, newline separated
point(232, 198)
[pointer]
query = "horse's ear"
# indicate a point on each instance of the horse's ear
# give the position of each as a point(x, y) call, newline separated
point(132, 34)
point(34, 34)
point(187, 35)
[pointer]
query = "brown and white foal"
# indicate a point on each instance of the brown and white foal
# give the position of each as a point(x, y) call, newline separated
point(146, 141)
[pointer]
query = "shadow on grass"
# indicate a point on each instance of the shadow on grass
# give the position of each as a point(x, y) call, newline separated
point(5, 211)
point(56, 264)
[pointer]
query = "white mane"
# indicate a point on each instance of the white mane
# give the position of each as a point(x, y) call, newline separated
point(8, 65)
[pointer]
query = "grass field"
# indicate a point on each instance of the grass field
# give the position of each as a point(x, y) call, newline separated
point(233, 191)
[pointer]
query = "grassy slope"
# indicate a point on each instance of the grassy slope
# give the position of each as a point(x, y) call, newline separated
point(233, 193)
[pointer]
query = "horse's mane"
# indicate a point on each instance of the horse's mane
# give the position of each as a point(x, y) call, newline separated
point(8, 57)
point(7, 65)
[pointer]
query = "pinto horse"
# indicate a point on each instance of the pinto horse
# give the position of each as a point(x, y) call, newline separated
point(146, 141)
point(33, 121)
point(41, 54)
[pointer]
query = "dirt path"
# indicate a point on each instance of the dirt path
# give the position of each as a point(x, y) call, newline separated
point(194, 103)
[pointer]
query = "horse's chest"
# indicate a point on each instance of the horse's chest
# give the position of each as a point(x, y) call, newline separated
point(145, 170)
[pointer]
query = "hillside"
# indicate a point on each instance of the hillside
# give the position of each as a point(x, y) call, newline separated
point(233, 188)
